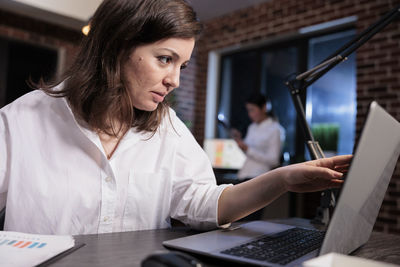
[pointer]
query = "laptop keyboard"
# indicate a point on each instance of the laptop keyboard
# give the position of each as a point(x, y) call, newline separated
point(280, 248)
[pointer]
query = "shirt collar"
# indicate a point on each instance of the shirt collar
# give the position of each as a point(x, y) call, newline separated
point(131, 137)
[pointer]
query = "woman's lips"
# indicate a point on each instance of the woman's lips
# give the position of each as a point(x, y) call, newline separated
point(157, 97)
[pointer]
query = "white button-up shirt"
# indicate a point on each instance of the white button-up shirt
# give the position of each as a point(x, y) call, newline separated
point(264, 148)
point(55, 177)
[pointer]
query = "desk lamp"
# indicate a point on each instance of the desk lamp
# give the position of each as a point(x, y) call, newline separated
point(301, 82)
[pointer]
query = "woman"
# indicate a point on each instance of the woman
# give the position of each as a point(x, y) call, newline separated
point(101, 151)
point(262, 144)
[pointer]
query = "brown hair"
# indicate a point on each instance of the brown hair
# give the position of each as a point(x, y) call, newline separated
point(93, 85)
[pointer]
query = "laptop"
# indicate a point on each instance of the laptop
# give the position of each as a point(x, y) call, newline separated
point(272, 244)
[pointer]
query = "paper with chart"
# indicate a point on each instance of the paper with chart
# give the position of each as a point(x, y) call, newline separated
point(19, 249)
point(224, 153)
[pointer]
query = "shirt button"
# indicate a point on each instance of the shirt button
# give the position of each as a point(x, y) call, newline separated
point(108, 179)
point(106, 218)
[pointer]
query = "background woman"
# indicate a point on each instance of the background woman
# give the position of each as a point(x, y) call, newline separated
point(263, 142)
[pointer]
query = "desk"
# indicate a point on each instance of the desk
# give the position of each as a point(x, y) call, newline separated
point(130, 248)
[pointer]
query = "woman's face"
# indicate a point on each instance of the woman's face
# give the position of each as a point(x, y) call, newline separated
point(152, 70)
point(256, 114)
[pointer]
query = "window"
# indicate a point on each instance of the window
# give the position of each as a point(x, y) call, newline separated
point(20, 61)
point(330, 103)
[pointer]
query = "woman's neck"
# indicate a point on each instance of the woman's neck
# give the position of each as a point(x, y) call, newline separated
point(111, 138)
point(262, 119)
point(110, 142)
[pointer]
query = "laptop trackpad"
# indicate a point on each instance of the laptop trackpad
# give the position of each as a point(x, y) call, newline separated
point(220, 239)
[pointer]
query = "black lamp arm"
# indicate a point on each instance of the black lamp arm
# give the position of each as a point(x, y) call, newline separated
point(340, 55)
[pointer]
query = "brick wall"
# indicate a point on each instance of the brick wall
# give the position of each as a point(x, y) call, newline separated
point(378, 68)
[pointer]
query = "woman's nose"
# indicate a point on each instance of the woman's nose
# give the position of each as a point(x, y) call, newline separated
point(172, 79)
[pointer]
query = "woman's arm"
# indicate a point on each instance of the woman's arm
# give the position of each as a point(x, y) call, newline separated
point(242, 199)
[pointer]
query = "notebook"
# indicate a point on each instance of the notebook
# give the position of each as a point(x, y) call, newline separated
point(270, 244)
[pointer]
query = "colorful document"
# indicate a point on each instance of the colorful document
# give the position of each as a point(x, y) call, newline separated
point(20, 249)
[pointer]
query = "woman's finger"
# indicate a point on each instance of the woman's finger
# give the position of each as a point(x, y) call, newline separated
point(343, 168)
point(326, 173)
point(334, 161)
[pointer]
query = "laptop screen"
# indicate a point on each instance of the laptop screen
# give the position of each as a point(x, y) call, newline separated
point(366, 183)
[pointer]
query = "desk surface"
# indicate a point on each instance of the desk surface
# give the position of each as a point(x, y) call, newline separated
point(130, 248)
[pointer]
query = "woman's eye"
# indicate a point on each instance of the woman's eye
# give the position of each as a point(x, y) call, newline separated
point(183, 67)
point(165, 59)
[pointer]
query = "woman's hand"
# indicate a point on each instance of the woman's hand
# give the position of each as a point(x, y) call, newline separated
point(242, 199)
point(237, 136)
point(242, 145)
point(316, 175)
